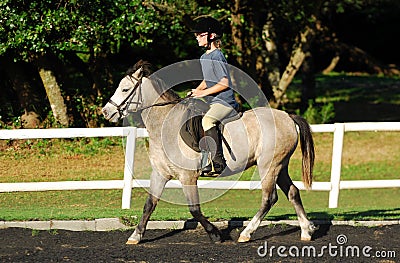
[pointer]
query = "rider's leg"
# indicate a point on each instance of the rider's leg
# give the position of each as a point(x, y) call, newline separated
point(213, 146)
point(212, 143)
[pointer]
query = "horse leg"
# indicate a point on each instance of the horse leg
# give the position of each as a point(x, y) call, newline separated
point(269, 198)
point(157, 184)
point(293, 195)
point(192, 195)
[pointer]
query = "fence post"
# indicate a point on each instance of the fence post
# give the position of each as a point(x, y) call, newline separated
point(338, 135)
point(131, 133)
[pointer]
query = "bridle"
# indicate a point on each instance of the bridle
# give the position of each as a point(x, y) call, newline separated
point(123, 111)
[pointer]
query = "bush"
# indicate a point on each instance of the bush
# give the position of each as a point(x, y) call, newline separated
point(319, 114)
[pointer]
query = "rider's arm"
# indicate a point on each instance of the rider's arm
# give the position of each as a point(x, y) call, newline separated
point(202, 85)
point(220, 86)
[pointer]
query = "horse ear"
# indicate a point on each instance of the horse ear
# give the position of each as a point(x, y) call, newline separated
point(138, 73)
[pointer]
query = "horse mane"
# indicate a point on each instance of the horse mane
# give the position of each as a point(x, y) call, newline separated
point(159, 85)
point(147, 68)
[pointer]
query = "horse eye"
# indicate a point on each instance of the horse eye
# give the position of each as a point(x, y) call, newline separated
point(125, 90)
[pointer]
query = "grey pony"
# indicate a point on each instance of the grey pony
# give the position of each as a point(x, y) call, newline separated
point(263, 136)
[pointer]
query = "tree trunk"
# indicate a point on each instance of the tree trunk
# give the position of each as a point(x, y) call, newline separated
point(271, 60)
point(332, 65)
point(237, 34)
point(53, 91)
point(296, 59)
point(308, 81)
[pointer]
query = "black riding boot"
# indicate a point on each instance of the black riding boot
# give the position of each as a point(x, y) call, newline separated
point(212, 143)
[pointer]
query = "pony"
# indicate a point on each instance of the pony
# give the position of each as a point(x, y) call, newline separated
point(263, 136)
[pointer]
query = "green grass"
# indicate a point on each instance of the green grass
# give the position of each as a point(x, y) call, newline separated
point(347, 88)
point(367, 155)
point(363, 204)
point(364, 157)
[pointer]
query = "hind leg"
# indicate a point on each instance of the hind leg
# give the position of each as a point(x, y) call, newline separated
point(157, 184)
point(293, 195)
point(269, 198)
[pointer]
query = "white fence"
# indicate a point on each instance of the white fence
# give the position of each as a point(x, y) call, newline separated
point(129, 182)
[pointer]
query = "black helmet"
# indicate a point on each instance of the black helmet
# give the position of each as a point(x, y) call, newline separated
point(209, 25)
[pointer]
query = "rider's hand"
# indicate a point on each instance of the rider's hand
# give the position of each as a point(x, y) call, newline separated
point(197, 93)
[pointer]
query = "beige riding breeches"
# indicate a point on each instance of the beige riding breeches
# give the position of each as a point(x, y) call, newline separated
point(217, 112)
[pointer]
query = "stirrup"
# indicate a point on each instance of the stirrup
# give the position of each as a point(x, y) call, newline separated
point(209, 170)
point(207, 166)
point(209, 174)
point(205, 159)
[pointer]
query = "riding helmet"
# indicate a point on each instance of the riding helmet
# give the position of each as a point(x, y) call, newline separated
point(209, 25)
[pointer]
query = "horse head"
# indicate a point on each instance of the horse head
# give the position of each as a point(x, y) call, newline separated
point(127, 97)
point(138, 90)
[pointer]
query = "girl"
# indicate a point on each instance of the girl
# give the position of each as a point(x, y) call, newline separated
point(217, 91)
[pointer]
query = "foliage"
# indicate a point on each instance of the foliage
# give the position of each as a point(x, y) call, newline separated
point(319, 114)
point(89, 27)
point(97, 40)
point(80, 26)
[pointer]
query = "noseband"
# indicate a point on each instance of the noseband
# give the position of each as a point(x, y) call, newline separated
point(123, 111)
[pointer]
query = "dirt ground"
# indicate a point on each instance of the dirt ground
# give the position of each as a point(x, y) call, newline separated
point(276, 243)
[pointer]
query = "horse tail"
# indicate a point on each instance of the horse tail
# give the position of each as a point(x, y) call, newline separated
point(307, 149)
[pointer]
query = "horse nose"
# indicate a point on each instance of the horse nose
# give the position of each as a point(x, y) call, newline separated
point(104, 111)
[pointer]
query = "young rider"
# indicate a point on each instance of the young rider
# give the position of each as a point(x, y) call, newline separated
point(215, 88)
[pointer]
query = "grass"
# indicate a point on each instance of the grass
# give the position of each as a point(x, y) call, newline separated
point(353, 205)
point(367, 155)
point(351, 88)
point(352, 97)
point(364, 157)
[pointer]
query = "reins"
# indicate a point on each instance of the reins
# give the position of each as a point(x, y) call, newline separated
point(176, 101)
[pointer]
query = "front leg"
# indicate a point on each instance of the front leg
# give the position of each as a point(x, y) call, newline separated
point(212, 231)
point(157, 185)
point(148, 209)
point(192, 195)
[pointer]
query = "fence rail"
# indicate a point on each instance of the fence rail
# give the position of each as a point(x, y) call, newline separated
point(128, 182)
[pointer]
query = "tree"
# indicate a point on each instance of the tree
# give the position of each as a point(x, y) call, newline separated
point(89, 42)
point(85, 32)
point(23, 85)
point(30, 41)
point(259, 31)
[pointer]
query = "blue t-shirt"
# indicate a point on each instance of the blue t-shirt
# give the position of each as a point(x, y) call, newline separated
point(214, 67)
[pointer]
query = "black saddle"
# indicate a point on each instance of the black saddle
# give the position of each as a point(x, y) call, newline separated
point(192, 130)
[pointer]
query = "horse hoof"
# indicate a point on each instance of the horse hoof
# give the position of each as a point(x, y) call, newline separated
point(243, 239)
point(215, 237)
point(306, 234)
point(132, 242)
point(306, 238)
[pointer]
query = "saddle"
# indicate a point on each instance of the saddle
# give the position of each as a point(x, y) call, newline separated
point(192, 130)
